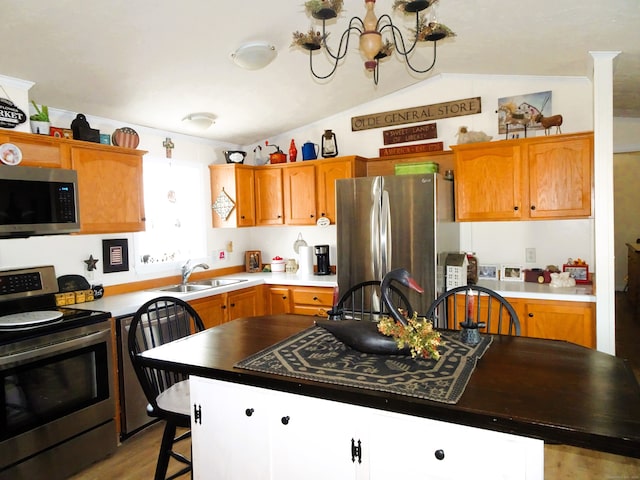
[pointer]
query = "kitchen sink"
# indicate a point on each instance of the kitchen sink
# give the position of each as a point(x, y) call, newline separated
point(188, 288)
point(200, 285)
point(215, 282)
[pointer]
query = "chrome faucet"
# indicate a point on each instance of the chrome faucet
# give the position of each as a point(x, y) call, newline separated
point(187, 269)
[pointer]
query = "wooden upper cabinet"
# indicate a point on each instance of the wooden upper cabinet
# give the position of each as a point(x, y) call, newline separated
point(327, 172)
point(39, 150)
point(299, 189)
point(527, 179)
point(269, 198)
point(488, 183)
point(560, 177)
point(110, 189)
point(232, 183)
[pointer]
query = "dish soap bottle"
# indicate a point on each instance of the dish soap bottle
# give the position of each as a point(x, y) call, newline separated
point(293, 151)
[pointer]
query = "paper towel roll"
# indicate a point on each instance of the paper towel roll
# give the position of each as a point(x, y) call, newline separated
point(306, 260)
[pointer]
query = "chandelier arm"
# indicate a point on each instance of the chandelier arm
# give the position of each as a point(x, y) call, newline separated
point(344, 39)
point(322, 77)
point(416, 70)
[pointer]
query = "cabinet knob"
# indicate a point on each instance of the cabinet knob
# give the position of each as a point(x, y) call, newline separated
point(531, 315)
point(315, 299)
point(242, 217)
point(248, 412)
point(439, 454)
point(232, 305)
point(323, 214)
point(285, 420)
point(533, 207)
point(516, 208)
point(284, 297)
point(223, 307)
point(311, 215)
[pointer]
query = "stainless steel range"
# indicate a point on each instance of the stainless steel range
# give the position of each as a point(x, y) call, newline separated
point(57, 400)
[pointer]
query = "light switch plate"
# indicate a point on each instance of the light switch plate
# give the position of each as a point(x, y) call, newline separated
point(530, 255)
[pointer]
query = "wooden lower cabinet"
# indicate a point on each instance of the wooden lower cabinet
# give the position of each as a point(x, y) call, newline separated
point(551, 319)
point(218, 309)
point(279, 299)
point(314, 301)
point(250, 432)
point(570, 321)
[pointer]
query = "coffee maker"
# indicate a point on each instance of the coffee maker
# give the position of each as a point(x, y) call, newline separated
point(322, 255)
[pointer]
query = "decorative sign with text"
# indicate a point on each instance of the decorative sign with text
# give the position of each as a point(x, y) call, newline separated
point(421, 148)
point(457, 108)
point(10, 115)
point(410, 134)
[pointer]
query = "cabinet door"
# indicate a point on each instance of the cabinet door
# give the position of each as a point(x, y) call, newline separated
point(488, 183)
point(235, 182)
point(232, 439)
point(244, 303)
point(39, 150)
point(110, 190)
point(268, 196)
point(279, 300)
point(212, 310)
point(326, 175)
point(408, 447)
point(569, 321)
point(245, 188)
point(299, 188)
point(560, 178)
point(312, 438)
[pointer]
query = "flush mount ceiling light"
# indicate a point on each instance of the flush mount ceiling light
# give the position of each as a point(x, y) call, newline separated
point(254, 56)
point(373, 46)
point(200, 120)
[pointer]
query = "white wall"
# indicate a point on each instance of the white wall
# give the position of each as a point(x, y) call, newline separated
point(554, 241)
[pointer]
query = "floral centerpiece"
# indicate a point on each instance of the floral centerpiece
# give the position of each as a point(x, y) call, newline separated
point(418, 335)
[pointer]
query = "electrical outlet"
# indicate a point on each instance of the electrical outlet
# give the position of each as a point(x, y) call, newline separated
point(530, 255)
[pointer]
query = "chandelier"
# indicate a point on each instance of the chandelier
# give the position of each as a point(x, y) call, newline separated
point(379, 37)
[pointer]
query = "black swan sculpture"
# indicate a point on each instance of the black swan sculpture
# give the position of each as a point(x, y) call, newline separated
point(363, 335)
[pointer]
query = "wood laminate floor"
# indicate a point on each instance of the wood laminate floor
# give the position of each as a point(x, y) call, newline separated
point(136, 458)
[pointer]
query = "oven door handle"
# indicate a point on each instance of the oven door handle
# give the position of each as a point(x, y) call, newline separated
point(63, 346)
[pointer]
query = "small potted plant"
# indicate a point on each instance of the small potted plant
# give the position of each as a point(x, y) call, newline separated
point(40, 122)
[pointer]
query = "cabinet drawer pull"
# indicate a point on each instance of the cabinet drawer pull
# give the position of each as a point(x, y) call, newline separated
point(531, 315)
point(439, 454)
point(285, 420)
point(516, 208)
point(248, 412)
point(533, 207)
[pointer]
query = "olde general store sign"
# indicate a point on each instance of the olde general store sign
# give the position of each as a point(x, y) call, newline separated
point(410, 134)
point(457, 108)
point(407, 149)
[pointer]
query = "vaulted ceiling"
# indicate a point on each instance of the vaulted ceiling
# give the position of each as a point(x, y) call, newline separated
point(152, 62)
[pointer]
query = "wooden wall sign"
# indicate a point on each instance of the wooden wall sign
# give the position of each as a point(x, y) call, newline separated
point(456, 108)
point(421, 148)
point(410, 134)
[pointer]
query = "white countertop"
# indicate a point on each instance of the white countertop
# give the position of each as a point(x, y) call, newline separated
point(579, 293)
point(128, 303)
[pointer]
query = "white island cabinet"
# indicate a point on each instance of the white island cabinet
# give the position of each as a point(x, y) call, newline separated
point(246, 432)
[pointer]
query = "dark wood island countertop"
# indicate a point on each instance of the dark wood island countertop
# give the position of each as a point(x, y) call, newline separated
point(551, 390)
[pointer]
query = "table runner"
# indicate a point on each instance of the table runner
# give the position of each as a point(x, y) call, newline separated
point(315, 354)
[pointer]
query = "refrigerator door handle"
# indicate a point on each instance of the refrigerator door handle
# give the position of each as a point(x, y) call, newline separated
point(375, 238)
point(385, 234)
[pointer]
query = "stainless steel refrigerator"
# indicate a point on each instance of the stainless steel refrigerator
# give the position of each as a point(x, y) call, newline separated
point(404, 221)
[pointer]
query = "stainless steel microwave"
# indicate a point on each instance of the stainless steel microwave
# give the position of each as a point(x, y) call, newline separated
point(38, 201)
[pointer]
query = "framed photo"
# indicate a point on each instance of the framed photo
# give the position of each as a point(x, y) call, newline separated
point(253, 261)
point(116, 255)
point(580, 273)
point(488, 272)
point(512, 273)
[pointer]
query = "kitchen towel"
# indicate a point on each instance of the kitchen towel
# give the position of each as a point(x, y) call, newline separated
point(306, 260)
point(315, 354)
